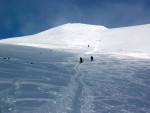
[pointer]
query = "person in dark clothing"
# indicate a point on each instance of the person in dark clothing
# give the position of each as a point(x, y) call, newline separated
point(92, 58)
point(81, 60)
point(88, 45)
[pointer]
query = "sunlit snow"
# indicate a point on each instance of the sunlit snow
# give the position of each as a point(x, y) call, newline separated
point(41, 73)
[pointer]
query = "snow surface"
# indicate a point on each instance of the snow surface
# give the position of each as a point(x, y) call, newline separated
point(49, 79)
point(65, 36)
point(34, 80)
point(130, 41)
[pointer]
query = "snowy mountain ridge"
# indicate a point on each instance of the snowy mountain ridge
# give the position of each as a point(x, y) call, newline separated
point(127, 40)
point(62, 36)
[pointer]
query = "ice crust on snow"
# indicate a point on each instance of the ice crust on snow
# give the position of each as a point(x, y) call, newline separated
point(130, 41)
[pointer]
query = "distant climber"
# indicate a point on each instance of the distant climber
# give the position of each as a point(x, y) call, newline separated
point(7, 58)
point(92, 58)
point(88, 45)
point(81, 60)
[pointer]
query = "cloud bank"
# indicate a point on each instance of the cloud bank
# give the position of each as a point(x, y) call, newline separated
point(18, 18)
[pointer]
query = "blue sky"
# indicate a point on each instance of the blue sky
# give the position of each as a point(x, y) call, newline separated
point(26, 17)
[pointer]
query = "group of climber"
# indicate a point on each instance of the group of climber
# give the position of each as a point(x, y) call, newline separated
point(81, 59)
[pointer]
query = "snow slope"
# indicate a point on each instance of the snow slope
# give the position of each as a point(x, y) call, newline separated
point(35, 80)
point(77, 35)
point(131, 41)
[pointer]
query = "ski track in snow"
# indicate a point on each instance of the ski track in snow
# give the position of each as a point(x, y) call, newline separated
point(76, 99)
point(109, 84)
point(82, 100)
